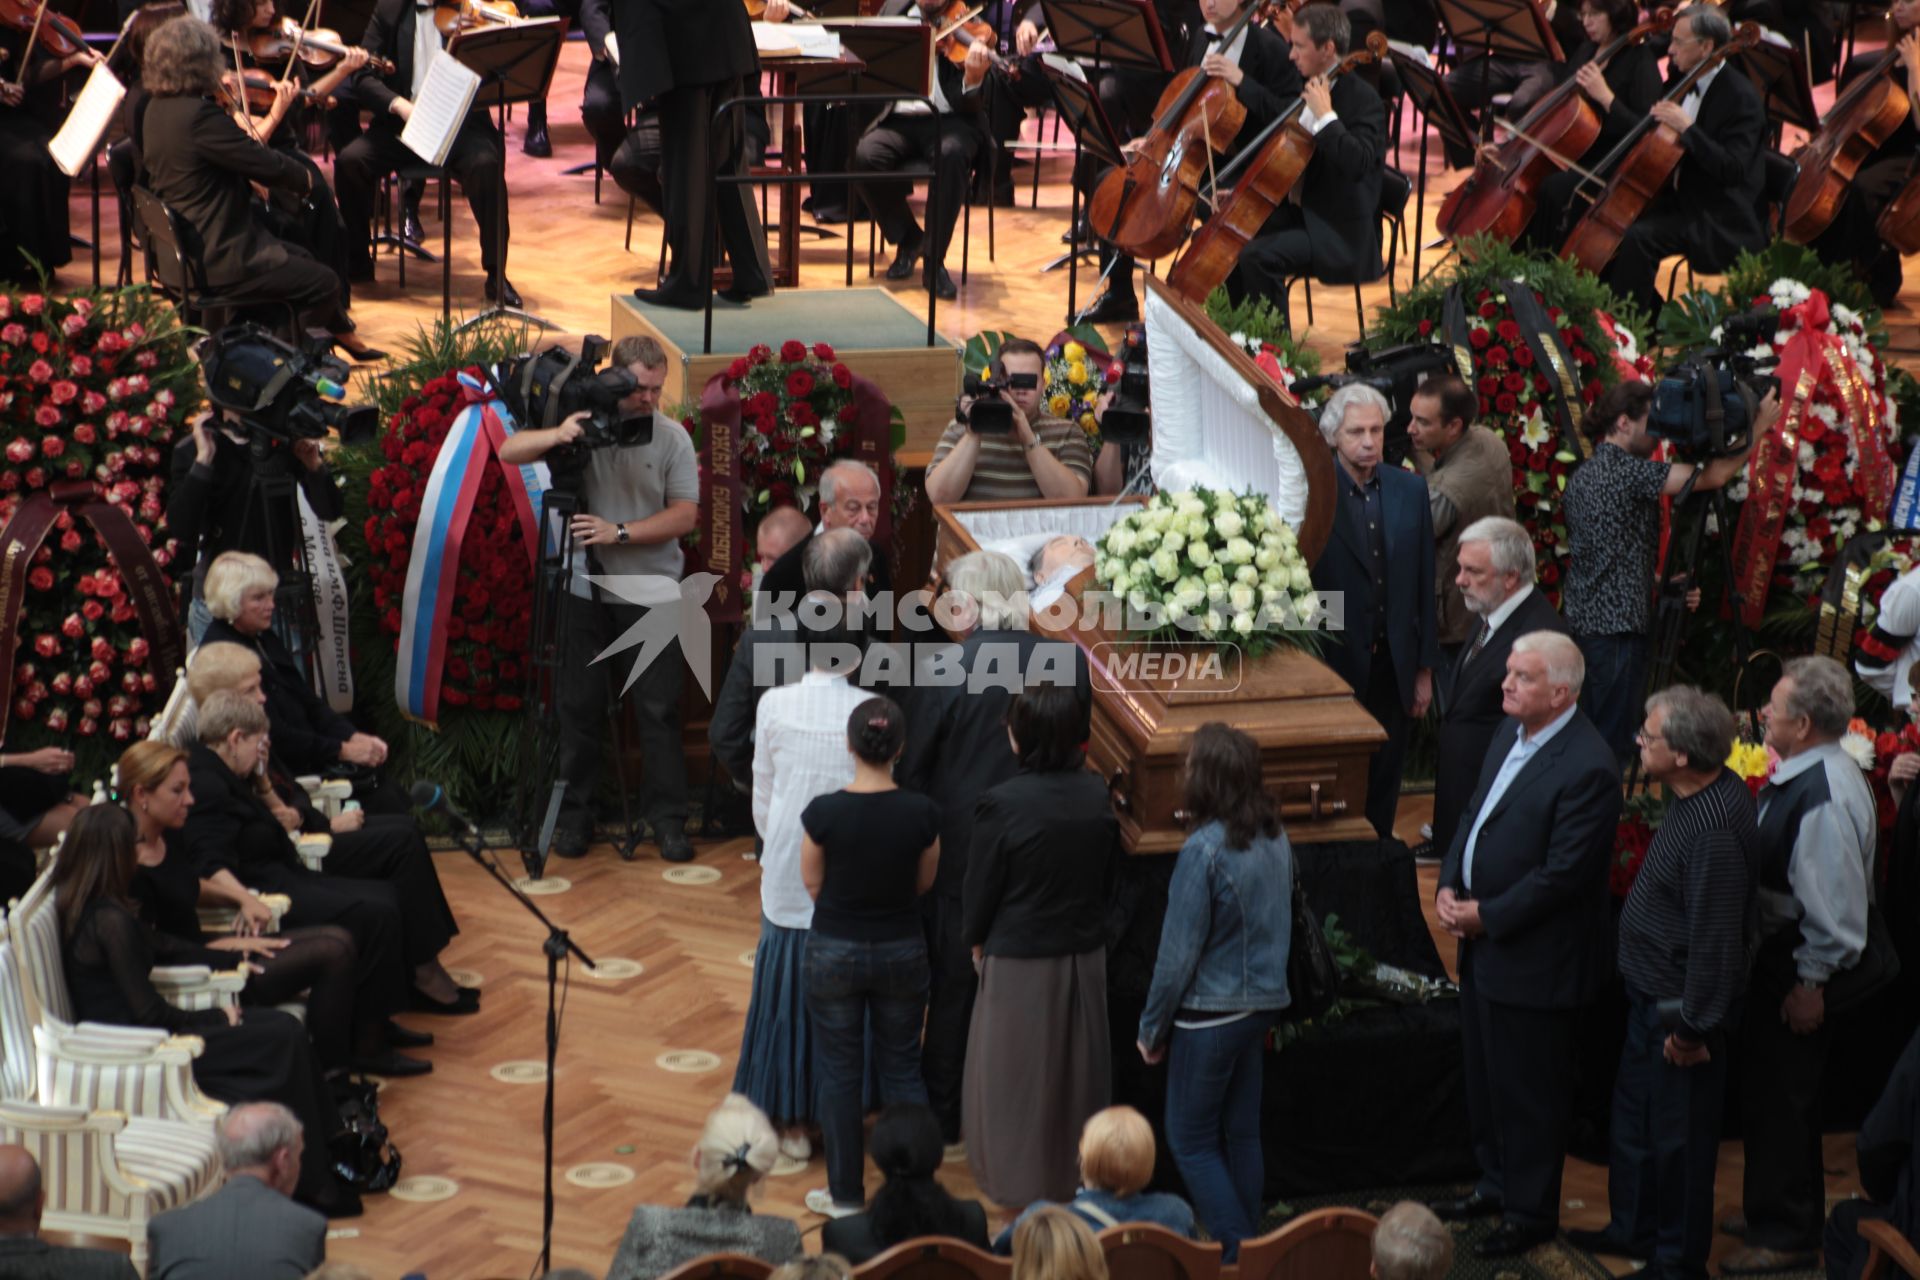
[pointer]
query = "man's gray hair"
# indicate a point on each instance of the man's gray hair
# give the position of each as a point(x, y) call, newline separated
point(1822, 692)
point(993, 582)
point(830, 483)
point(1411, 1243)
point(836, 561)
point(1698, 725)
point(1708, 23)
point(1508, 547)
point(1565, 665)
point(251, 1132)
point(1335, 412)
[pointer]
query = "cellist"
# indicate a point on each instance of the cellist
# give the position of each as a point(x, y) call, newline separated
point(1852, 239)
point(1259, 65)
point(1623, 91)
point(1333, 232)
point(1712, 211)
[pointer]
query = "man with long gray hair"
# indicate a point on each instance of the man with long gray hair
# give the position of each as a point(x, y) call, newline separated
point(1379, 565)
point(1819, 831)
point(1683, 956)
point(250, 1229)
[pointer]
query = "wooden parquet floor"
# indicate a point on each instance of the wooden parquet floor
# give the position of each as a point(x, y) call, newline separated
point(619, 1109)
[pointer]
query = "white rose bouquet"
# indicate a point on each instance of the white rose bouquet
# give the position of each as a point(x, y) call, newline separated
point(1211, 567)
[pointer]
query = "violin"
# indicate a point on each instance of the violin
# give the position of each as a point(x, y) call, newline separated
point(1862, 118)
point(959, 28)
point(1279, 156)
point(317, 46)
point(464, 15)
point(255, 91)
point(1503, 191)
point(60, 36)
point(1652, 152)
point(1144, 207)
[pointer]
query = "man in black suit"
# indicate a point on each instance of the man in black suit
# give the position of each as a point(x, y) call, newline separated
point(1258, 63)
point(1496, 584)
point(477, 157)
point(1379, 567)
point(1333, 231)
point(957, 748)
point(1524, 889)
point(1712, 212)
point(849, 499)
point(686, 57)
point(23, 1254)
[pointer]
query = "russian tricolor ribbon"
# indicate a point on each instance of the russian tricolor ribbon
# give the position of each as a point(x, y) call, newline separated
point(473, 440)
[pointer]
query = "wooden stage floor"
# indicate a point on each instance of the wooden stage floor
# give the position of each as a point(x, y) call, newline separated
point(644, 1056)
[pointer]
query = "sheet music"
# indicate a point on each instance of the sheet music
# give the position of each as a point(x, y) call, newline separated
point(74, 146)
point(1065, 66)
point(612, 46)
point(440, 109)
point(1409, 53)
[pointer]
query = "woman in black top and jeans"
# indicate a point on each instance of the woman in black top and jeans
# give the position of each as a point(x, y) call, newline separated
point(869, 852)
point(250, 1055)
point(1040, 879)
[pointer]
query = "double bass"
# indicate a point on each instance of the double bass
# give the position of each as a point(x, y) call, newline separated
point(1862, 118)
point(1144, 208)
point(1503, 191)
point(1643, 165)
point(1279, 156)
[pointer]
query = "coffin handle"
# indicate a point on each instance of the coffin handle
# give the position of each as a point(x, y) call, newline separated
point(1117, 790)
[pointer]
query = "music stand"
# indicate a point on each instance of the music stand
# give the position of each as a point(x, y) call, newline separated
point(515, 63)
point(1093, 137)
point(1436, 105)
point(1516, 29)
point(1123, 34)
point(1779, 72)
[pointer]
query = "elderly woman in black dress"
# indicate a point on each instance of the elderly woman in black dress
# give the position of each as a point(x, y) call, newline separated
point(249, 1054)
point(1040, 880)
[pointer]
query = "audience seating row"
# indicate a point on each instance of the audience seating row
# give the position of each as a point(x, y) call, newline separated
point(1325, 1244)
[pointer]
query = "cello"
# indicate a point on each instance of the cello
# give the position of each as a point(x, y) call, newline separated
point(1651, 154)
point(1863, 117)
point(1503, 191)
point(1899, 224)
point(1279, 156)
point(1144, 208)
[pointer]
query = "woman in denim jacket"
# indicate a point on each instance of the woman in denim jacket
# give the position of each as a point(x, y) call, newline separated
point(1220, 979)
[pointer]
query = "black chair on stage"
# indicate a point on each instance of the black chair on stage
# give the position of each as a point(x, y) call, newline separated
point(175, 267)
point(391, 188)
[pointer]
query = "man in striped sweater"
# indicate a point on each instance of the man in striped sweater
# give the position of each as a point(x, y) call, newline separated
point(1684, 936)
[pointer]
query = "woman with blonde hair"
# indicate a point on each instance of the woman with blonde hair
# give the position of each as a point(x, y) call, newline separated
point(1053, 1244)
point(152, 781)
point(737, 1148)
point(1116, 1163)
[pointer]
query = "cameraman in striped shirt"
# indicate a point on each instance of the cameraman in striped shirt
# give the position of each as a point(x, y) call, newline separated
point(1684, 939)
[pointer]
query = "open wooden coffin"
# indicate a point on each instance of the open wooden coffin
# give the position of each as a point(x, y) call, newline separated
point(1219, 423)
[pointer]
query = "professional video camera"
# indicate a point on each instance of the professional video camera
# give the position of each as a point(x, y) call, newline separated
point(544, 390)
point(991, 413)
point(1396, 373)
point(281, 393)
point(1126, 420)
point(1704, 405)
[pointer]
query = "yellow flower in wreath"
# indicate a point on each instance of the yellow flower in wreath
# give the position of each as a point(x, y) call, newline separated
point(1074, 352)
point(1086, 423)
point(1077, 373)
point(1059, 405)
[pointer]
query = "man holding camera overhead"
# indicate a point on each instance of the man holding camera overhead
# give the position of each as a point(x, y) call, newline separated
point(1032, 456)
point(637, 500)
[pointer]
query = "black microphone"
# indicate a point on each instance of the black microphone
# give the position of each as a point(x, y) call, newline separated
point(428, 796)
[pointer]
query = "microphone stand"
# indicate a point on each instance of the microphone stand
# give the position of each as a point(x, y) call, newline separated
point(556, 947)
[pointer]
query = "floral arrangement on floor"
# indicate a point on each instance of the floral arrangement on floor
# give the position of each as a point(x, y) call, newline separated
point(95, 386)
point(1218, 567)
point(474, 750)
point(1597, 329)
point(1257, 327)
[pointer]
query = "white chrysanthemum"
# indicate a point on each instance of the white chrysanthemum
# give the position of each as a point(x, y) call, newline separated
point(1859, 749)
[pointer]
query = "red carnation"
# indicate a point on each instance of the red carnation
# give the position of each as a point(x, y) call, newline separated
point(1496, 357)
point(737, 370)
point(1509, 331)
point(792, 352)
point(47, 646)
point(1488, 310)
point(41, 579)
point(40, 370)
point(822, 351)
point(64, 391)
point(1504, 403)
point(843, 376)
point(759, 353)
point(70, 541)
point(84, 434)
point(1523, 356)
point(1426, 327)
point(799, 383)
point(1513, 382)
point(19, 449)
point(1479, 337)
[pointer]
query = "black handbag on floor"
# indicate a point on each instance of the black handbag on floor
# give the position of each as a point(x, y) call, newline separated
point(362, 1155)
point(1312, 976)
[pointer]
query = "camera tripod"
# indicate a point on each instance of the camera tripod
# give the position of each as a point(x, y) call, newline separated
point(272, 487)
point(541, 789)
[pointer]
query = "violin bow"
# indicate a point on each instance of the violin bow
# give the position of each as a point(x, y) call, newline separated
point(33, 37)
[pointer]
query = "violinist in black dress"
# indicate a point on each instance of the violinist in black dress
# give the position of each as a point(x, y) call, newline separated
point(33, 197)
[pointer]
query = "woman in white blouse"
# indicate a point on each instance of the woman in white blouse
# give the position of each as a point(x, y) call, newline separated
point(799, 752)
